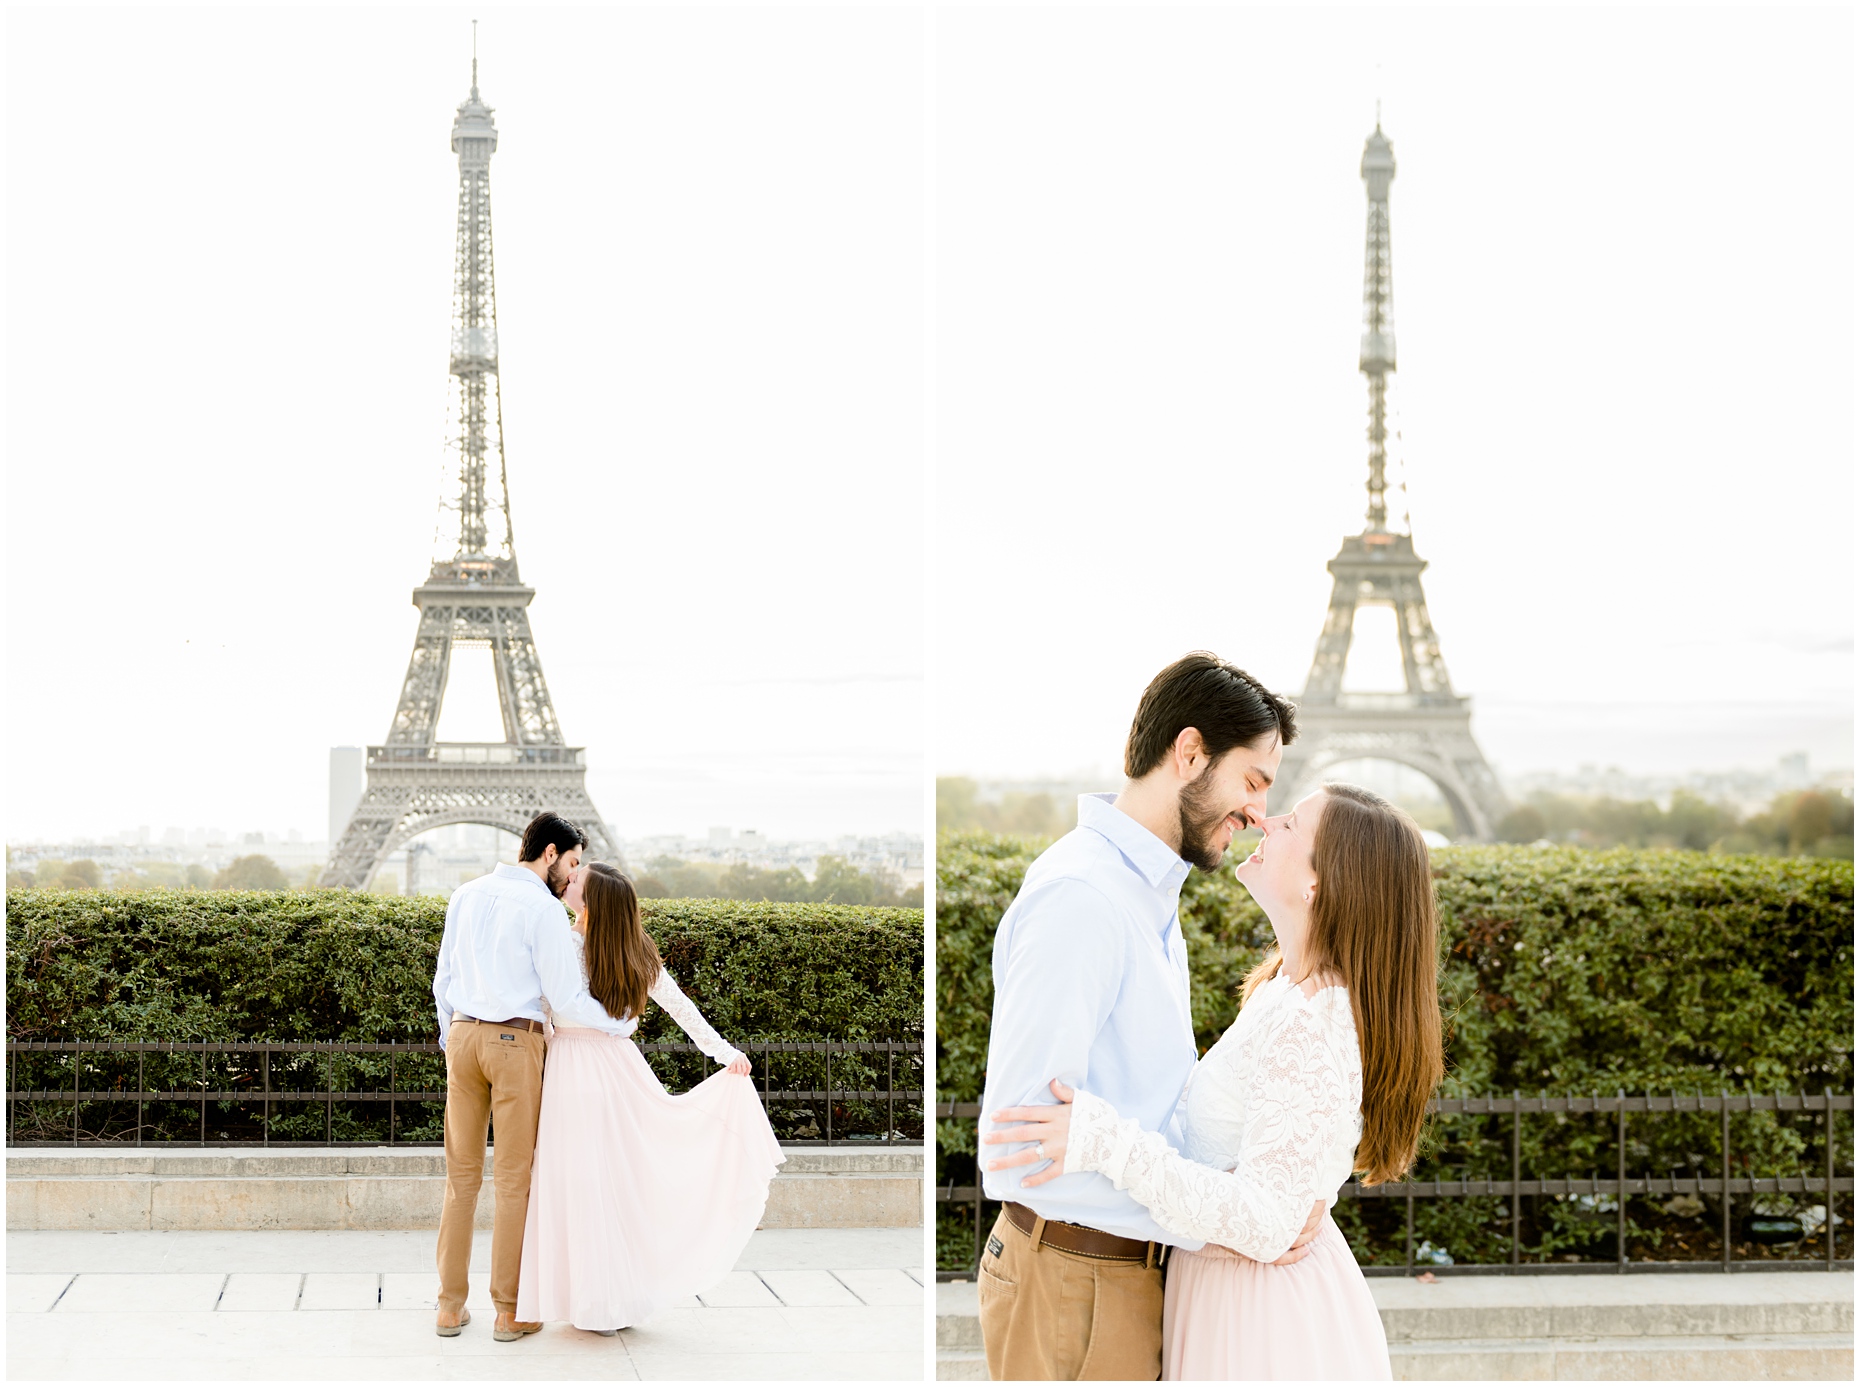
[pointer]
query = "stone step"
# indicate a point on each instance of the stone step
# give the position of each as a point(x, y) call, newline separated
point(958, 1325)
point(961, 1367)
point(1659, 1325)
point(1642, 1358)
point(387, 1187)
point(1592, 1307)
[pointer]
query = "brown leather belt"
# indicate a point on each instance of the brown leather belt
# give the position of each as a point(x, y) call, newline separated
point(1083, 1241)
point(521, 1023)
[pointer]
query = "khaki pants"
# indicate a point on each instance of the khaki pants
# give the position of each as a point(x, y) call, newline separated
point(495, 1076)
point(1052, 1316)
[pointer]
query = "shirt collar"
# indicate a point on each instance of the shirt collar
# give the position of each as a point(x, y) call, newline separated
point(510, 873)
point(1156, 862)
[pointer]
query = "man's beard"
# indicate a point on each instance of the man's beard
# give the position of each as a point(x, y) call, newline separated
point(1200, 822)
point(559, 872)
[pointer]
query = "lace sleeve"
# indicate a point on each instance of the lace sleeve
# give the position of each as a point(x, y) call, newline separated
point(1297, 1107)
point(683, 1010)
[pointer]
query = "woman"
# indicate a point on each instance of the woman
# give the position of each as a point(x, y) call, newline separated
point(1327, 1069)
point(637, 1198)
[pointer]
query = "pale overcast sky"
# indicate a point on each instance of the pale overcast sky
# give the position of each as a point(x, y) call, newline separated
point(1127, 283)
point(230, 240)
point(1623, 263)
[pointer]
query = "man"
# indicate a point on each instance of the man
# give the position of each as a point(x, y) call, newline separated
point(506, 947)
point(1091, 988)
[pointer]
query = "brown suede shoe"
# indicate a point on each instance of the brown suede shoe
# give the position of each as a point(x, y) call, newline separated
point(447, 1326)
point(509, 1327)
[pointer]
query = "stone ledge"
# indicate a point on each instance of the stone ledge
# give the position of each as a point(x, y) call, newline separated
point(384, 1188)
point(381, 1160)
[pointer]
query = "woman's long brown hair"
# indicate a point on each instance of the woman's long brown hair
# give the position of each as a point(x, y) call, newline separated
point(1373, 925)
point(623, 962)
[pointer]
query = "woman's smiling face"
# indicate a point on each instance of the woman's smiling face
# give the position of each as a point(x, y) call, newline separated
point(1280, 870)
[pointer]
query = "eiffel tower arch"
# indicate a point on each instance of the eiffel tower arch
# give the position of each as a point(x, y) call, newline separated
point(1425, 726)
point(472, 595)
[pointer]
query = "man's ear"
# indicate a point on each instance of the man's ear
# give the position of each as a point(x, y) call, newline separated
point(549, 855)
point(1191, 753)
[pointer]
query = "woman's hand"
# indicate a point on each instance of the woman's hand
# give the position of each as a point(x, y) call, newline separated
point(739, 1065)
point(1047, 1126)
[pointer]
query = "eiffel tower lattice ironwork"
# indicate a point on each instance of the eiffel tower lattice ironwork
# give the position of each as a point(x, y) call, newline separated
point(1426, 726)
point(472, 596)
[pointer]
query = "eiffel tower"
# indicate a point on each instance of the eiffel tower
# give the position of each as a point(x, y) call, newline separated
point(1427, 726)
point(473, 596)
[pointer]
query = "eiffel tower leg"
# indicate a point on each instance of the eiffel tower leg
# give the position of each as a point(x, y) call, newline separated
point(529, 713)
point(1333, 649)
point(367, 841)
point(425, 686)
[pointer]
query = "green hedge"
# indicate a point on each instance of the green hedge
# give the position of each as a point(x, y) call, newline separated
point(325, 965)
point(1563, 972)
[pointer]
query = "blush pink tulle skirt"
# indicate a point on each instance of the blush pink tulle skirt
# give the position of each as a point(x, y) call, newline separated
point(1229, 1318)
point(638, 1198)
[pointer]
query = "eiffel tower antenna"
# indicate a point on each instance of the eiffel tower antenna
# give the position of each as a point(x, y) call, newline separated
point(1426, 726)
point(472, 594)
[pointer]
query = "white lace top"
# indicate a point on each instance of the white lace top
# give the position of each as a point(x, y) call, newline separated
point(666, 992)
point(1270, 1121)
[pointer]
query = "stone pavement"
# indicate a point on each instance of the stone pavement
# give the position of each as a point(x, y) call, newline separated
point(819, 1304)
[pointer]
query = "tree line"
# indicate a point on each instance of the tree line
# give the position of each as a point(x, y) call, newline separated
point(836, 881)
point(1796, 823)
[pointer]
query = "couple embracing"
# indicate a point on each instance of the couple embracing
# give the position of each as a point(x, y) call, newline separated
point(613, 1198)
point(1170, 1216)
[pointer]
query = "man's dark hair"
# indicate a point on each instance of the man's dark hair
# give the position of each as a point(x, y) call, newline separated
point(1228, 706)
point(549, 829)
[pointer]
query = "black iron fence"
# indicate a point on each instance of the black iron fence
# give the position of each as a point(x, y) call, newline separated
point(339, 1093)
point(1602, 1194)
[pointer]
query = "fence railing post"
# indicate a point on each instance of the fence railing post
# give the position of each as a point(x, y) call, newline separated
point(1621, 1180)
point(1827, 1096)
point(1517, 1178)
point(1724, 1151)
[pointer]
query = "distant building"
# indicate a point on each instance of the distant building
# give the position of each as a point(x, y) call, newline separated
point(346, 777)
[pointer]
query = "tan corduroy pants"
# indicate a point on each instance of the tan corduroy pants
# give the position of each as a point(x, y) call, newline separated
point(1052, 1316)
point(492, 1076)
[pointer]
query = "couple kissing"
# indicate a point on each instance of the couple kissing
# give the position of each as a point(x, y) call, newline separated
point(613, 1198)
point(1169, 1216)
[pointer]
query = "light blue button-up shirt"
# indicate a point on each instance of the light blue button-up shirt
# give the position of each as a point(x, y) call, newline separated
point(1091, 988)
point(507, 946)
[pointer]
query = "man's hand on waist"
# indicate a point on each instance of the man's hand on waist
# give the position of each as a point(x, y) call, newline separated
point(1301, 1245)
